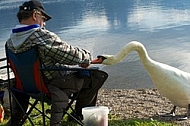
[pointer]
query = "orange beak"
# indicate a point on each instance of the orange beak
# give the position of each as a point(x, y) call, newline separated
point(97, 61)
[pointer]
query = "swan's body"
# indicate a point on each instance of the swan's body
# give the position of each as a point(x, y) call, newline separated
point(171, 82)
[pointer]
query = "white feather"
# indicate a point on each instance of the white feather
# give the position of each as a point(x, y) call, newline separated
point(171, 82)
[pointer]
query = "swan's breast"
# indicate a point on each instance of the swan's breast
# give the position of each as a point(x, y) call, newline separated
point(172, 83)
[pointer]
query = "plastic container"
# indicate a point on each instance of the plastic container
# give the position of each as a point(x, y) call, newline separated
point(95, 116)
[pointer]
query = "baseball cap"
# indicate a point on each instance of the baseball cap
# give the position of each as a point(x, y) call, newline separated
point(34, 4)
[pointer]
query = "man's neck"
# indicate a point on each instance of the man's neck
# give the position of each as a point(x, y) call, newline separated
point(28, 22)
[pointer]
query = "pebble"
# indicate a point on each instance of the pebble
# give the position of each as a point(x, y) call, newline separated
point(139, 103)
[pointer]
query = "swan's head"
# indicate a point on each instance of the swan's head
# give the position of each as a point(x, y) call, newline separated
point(104, 59)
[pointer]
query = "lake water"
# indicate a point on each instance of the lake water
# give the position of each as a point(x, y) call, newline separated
point(105, 26)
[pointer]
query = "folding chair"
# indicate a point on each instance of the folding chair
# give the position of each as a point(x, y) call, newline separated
point(28, 80)
point(3, 90)
point(3, 83)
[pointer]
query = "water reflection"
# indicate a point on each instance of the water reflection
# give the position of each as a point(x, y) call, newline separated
point(157, 17)
point(105, 26)
point(105, 16)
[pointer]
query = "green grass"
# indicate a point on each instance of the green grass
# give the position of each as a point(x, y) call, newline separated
point(113, 121)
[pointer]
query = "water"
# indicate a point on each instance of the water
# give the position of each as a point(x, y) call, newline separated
point(104, 27)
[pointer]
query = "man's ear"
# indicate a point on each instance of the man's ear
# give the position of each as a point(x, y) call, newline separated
point(34, 16)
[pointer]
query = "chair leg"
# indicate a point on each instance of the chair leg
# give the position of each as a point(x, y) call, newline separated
point(27, 114)
point(33, 106)
point(10, 103)
point(79, 121)
point(43, 111)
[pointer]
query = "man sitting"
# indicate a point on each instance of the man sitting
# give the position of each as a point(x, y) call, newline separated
point(53, 51)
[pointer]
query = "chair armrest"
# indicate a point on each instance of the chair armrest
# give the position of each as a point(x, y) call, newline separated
point(61, 68)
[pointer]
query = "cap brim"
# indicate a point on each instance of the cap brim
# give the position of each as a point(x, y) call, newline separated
point(48, 17)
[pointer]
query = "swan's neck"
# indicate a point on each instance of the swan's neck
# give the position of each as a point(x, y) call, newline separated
point(133, 46)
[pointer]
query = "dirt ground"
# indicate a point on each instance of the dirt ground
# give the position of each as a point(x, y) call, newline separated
point(141, 104)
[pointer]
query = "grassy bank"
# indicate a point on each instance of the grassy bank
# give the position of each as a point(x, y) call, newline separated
point(113, 121)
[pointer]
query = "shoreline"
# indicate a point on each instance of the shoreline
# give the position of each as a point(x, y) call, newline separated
point(145, 104)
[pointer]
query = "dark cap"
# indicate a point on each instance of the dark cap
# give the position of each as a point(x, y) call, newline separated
point(34, 4)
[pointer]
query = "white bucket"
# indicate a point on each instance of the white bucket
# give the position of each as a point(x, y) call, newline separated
point(95, 116)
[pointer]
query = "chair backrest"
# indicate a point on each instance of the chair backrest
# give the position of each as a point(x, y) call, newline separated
point(26, 68)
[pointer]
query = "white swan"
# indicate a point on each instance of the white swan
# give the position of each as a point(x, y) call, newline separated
point(171, 82)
